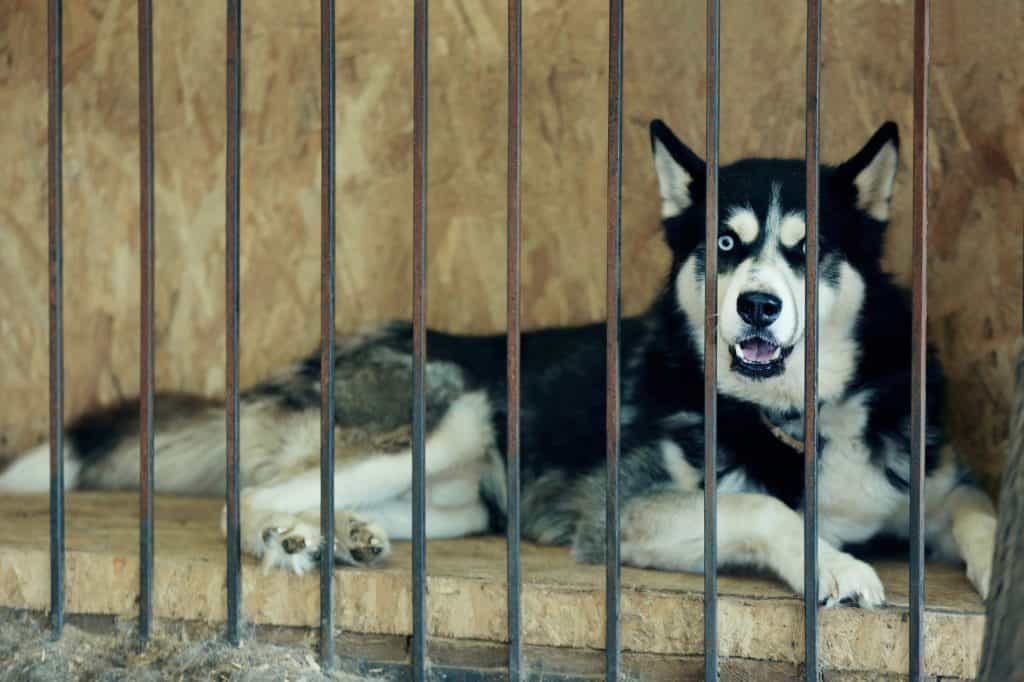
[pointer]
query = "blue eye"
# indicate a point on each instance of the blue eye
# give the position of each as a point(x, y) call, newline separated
point(725, 242)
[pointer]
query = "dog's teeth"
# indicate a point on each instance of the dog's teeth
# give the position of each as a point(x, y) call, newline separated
point(739, 350)
point(777, 353)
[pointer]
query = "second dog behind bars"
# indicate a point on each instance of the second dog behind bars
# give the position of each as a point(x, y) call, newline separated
point(864, 450)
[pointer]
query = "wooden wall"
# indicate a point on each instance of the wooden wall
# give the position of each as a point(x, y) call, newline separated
point(977, 163)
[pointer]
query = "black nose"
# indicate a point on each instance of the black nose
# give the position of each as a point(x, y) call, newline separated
point(758, 309)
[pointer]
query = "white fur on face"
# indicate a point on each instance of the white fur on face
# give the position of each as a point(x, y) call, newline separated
point(838, 308)
point(673, 182)
point(792, 229)
point(743, 221)
point(769, 273)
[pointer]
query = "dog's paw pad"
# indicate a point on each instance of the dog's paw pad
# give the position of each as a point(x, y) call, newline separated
point(292, 546)
point(365, 544)
point(269, 534)
point(845, 580)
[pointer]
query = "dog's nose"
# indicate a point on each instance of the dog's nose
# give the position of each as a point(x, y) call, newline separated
point(759, 309)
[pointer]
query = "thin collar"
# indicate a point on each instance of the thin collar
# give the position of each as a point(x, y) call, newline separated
point(782, 436)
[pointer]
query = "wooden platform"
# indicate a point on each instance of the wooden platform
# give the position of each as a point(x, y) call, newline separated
point(563, 602)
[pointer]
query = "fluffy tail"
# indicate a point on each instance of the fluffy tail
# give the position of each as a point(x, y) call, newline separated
point(30, 472)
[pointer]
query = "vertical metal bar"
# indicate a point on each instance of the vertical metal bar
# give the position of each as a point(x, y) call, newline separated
point(812, 152)
point(515, 78)
point(613, 279)
point(146, 264)
point(327, 293)
point(419, 342)
point(234, 143)
point(711, 350)
point(55, 143)
point(919, 335)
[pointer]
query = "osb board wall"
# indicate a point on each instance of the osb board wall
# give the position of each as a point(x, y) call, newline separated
point(977, 161)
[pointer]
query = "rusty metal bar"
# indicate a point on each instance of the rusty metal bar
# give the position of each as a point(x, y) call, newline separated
point(714, 27)
point(419, 341)
point(918, 388)
point(813, 157)
point(515, 79)
point(613, 280)
point(146, 266)
point(327, 297)
point(234, 143)
point(55, 141)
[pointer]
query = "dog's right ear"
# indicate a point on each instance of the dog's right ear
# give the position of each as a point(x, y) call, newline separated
point(680, 171)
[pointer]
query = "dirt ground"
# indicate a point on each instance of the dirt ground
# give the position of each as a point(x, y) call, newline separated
point(109, 654)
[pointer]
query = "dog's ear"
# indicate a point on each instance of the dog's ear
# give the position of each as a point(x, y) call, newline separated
point(872, 171)
point(680, 171)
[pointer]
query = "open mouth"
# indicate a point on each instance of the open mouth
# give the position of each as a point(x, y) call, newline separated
point(758, 357)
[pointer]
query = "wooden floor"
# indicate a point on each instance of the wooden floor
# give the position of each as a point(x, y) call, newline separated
point(563, 602)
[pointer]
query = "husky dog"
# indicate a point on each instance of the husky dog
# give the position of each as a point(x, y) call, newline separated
point(864, 384)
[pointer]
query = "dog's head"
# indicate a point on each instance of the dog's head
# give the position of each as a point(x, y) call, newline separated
point(761, 259)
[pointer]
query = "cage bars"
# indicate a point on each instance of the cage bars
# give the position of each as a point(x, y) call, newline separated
point(327, 346)
point(919, 336)
point(233, 196)
point(714, 23)
point(812, 157)
point(146, 267)
point(514, 578)
point(55, 189)
point(613, 285)
point(419, 341)
point(613, 322)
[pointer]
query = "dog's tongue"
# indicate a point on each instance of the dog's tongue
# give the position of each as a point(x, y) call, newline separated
point(757, 350)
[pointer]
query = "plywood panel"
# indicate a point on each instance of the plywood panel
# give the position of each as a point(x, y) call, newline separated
point(977, 163)
point(563, 601)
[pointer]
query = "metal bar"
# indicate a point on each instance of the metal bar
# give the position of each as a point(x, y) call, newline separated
point(714, 20)
point(234, 143)
point(515, 78)
point(146, 265)
point(919, 336)
point(813, 155)
point(55, 143)
point(419, 342)
point(613, 280)
point(327, 297)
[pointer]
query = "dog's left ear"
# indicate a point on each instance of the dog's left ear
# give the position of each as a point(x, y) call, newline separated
point(872, 171)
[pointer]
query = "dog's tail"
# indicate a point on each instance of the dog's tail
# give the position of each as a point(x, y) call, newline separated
point(30, 472)
point(107, 437)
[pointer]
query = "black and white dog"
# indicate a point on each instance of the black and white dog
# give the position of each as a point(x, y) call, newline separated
point(864, 463)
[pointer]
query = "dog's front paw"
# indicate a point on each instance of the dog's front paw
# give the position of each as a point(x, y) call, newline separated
point(291, 542)
point(979, 566)
point(979, 572)
point(843, 579)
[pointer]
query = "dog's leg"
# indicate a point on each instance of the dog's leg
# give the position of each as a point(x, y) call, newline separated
point(463, 436)
point(281, 520)
point(292, 541)
point(441, 522)
point(960, 520)
point(666, 531)
point(971, 531)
